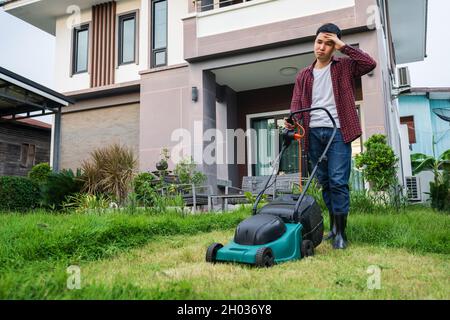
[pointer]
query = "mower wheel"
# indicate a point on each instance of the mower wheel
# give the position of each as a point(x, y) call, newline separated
point(307, 248)
point(212, 252)
point(264, 257)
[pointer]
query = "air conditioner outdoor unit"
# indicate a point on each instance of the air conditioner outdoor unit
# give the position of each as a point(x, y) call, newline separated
point(403, 78)
point(413, 189)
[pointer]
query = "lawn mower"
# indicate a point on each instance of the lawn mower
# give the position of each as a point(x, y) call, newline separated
point(287, 228)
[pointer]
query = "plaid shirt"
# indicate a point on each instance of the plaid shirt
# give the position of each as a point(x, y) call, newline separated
point(343, 72)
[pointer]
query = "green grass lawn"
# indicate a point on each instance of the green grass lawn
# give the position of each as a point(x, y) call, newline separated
point(144, 256)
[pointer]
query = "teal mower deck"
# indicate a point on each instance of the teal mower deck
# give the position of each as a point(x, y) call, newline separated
point(287, 228)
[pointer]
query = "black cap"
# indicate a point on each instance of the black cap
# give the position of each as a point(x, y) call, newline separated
point(330, 28)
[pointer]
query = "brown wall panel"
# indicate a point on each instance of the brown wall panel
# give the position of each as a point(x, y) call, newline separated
point(103, 33)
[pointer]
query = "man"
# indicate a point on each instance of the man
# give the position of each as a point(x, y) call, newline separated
point(329, 83)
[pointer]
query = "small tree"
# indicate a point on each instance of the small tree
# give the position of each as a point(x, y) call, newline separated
point(379, 167)
point(378, 163)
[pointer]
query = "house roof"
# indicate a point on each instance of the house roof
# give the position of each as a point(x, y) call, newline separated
point(6, 74)
point(36, 123)
point(43, 14)
point(22, 98)
point(435, 93)
point(408, 25)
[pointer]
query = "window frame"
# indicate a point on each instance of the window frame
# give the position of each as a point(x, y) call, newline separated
point(120, 19)
point(411, 130)
point(27, 155)
point(154, 51)
point(76, 30)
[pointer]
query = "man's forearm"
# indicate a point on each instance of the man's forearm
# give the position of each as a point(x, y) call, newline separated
point(363, 62)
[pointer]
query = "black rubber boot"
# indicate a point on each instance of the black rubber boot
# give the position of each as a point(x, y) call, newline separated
point(340, 240)
point(332, 232)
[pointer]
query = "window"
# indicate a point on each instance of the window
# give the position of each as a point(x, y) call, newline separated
point(159, 33)
point(27, 155)
point(409, 121)
point(226, 3)
point(80, 49)
point(206, 5)
point(127, 38)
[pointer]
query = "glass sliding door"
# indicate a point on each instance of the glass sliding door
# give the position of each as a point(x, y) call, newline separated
point(268, 145)
point(289, 160)
point(266, 138)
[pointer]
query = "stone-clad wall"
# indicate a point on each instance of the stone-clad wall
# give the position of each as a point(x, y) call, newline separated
point(83, 132)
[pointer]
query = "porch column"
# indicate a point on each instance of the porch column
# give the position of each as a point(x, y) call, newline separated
point(209, 122)
point(57, 141)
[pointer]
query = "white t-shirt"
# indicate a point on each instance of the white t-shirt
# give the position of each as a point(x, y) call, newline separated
point(323, 96)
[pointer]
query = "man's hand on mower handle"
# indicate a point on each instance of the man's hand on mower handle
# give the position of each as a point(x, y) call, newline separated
point(288, 125)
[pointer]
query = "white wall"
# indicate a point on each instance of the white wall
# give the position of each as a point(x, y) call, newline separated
point(64, 82)
point(177, 10)
point(259, 12)
point(130, 72)
point(396, 136)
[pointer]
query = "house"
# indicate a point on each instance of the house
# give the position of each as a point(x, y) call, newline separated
point(425, 116)
point(25, 141)
point(426, 112)
point(159, 73)
point(23, 144)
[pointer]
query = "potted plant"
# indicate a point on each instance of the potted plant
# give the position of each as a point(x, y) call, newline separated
point(162, 164)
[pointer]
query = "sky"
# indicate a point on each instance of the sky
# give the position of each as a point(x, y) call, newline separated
point(434, 71)
point(30, 52)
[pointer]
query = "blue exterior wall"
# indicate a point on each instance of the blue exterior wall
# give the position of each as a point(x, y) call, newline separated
point(427, 125)
point(441, 128)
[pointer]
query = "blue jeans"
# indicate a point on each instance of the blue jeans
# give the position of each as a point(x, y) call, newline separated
point(334, 171)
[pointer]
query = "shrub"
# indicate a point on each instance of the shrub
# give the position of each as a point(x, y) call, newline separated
point(378, 163)
point(110, 171)
point(440, 193)
point(83, 202)
point(18, 193)
point(187, 173)
point(251, 198)
point(440, 187)
point(362, 201)
point(40, 172)
point(59, 186)
point(144, 188)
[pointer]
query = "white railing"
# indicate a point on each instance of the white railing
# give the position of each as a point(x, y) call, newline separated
point(206, 5)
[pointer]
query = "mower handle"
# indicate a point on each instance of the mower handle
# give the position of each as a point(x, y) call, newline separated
point(313, 173)
point(283, 149)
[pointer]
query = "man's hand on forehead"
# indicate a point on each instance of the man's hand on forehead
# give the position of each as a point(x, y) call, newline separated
point(338, 43)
